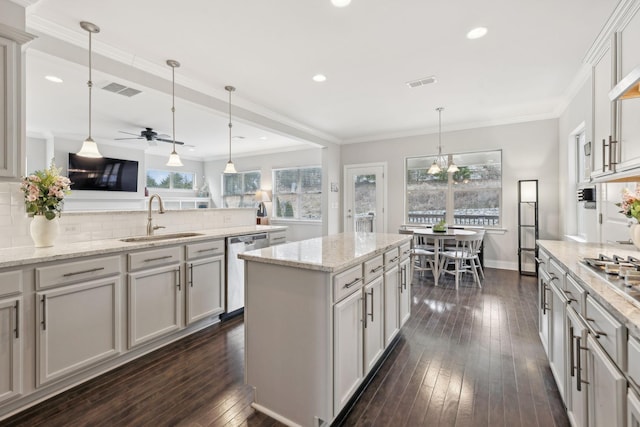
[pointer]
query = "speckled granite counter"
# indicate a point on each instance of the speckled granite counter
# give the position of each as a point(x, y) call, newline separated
point(19, 256)
point(330, 254)
point(570, 255)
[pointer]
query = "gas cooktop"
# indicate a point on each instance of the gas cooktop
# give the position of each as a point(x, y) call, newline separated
point(622, 273)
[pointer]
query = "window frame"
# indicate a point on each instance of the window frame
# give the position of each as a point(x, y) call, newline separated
point(171, 173)
point(243, 195)
point(450, 191)
point(297, 193)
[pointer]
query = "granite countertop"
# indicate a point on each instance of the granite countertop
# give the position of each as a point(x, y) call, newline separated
point(570, 255)
point(330, 253)
point(19, 256)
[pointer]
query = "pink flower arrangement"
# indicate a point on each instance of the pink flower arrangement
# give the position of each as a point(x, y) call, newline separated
point(44, 192)
point(630, 203)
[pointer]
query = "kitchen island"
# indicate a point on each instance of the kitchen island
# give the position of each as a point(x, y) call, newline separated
point(319, 315)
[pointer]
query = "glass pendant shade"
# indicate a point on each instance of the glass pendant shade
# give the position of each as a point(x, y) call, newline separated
point(174, 160)
point(434, 169)
point(89, 149)
point(452, 168)
point(230, 168)
point(441, 162)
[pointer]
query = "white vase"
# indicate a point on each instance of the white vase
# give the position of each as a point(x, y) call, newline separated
point(44, 231)
point(635, 235)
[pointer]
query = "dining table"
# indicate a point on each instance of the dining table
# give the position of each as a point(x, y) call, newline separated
point(438, 238)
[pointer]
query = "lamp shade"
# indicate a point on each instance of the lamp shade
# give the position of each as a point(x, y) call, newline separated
point(89, 149)
point(263, 196)
point(528, 191)
point(174, 160)
point(230, 168)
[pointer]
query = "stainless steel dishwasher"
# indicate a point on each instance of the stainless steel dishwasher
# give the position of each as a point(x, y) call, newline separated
point(235, 268)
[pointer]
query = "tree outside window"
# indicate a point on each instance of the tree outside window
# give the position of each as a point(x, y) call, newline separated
point(170, 180)
point(297, 193)
point(238, 190)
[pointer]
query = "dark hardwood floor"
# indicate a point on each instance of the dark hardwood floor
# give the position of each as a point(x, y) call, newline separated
point(470, 357)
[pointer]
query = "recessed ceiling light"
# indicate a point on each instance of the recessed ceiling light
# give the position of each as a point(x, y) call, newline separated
point(53, 79)
point(263, 138)
point(340, 3)
point(477, 33)
point(319, 78)
point(192, 149)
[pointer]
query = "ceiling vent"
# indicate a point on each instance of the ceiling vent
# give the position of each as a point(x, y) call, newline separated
point(121, 89)
point(422, 82)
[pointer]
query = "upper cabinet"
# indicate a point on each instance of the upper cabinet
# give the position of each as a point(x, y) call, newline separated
point(603, 113)
point(629, 108)
point(12, 109)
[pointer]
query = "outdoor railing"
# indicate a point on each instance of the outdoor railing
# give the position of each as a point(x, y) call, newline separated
point(364, 222)
point(468, 219)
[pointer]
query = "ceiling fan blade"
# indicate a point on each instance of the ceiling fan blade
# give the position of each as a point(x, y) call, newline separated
point(122, 139)
point(129, 133)
point(169, 141)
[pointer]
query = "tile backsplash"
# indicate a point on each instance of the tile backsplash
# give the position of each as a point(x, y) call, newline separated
point(87, 226)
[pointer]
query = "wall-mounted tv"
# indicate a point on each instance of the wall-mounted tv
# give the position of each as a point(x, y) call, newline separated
point(103, 174)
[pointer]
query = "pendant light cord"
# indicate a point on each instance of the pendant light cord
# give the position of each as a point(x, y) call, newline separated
point(173, 104)
point(230, 125)
point(90, 84)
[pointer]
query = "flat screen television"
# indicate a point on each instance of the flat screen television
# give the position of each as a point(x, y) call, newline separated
point(103, 174)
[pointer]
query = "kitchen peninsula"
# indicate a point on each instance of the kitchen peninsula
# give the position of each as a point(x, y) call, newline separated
point(319, 315)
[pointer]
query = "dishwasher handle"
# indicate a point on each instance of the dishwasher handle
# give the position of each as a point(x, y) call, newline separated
point(248, 239)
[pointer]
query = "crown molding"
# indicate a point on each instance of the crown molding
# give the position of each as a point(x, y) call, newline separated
point(618, 19)
point(12, 33)
point(25, 3)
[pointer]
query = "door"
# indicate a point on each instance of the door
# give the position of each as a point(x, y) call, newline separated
point(607, 389)
point(391, 294)
point(557, 352)
point(205, 288)
point(347, 347)
point(79, 327)
point(10, 358)
point(576, 392)
point(365, 198)
point(373, 322)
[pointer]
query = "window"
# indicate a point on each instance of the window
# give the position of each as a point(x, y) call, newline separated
point(471, 196)
point(171, 180)
point(297, 193)
point(239, 190)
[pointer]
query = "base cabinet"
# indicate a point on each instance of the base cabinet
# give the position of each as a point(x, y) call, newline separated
point(10, 346)
point(205, 288)
point(577, 386)
point(557, 348)
point(79, 326)
point(405, 292)
point(373, 321)
point(544, 310)
point(607, 393)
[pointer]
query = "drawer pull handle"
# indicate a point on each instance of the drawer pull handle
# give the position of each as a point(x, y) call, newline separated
point(191, 275)
point(579, 380)
point(353, 282)
point(44, 312)
point(158, 258)
point(394, 259)
point(539, 261)
point(278, 238)
point(378, 268)
point(571, 354)
point(553, 277)
point(75, 273)
point(596, 334)
point(371, 314)
point(17, 329)
point(207, 250)
point(178, 279)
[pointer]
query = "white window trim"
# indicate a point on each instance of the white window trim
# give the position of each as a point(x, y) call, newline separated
point(273, 197)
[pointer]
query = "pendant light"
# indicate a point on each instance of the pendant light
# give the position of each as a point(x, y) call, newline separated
point(174, 159)
point(440, 162)
point(230, 168)
point(89, 147)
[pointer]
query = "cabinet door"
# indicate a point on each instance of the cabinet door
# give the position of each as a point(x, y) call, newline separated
point(10, 113)
point(391, 304)
point(154, 303)
point(79, 327)
point(576, 394)
point(544, 310)
point(629, 108)
point(205, 288)
point(602, 113)
point(10, 346)
point(607, 389)
point(347, 347)
point(557, 349)
point(373, 321)
point(405, 292)
point(633, 409)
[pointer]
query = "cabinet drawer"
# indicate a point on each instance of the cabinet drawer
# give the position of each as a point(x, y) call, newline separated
point(204, 249)
point(374, 268)
point(347, 282)
point(391, 257)
point(555, 270)
point(72, 272)
point(10, 283)
point(633, 361)
point(154, 258)
point(277, 238)
point(575, 292)
point(405, 251)
point(613, 335)
point(544, 261)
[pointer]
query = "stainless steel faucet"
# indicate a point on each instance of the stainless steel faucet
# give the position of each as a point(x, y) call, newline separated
point(150, 226)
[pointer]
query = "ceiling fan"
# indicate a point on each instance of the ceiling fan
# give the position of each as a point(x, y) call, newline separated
point(151, 136)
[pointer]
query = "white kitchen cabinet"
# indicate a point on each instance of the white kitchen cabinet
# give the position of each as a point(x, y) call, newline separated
point(79, 326)
point(557, 347)
point(348, 369)
point(10, 347)
point(576, 392)
point(404, 288)
point(155, 301)
point(633, 409)
point(603, 113)
point(205, 271)
point(392, 304)
point(629, 109)
point(607, 393)
point(544, 310)
point(373, 321)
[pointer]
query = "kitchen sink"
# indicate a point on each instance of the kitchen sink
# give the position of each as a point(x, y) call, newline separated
point(159, 237)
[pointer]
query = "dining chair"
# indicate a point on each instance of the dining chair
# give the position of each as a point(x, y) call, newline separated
point(462, 256)
point(422, 254)
point(476, 258)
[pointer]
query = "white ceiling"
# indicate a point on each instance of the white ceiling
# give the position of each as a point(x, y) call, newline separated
point(523, 69)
